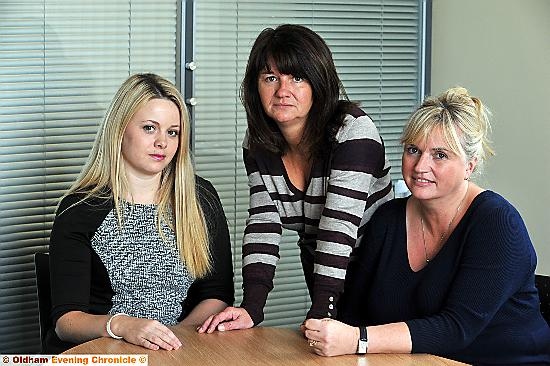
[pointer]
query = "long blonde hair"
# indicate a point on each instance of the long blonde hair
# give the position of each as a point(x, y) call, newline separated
point(103, 175)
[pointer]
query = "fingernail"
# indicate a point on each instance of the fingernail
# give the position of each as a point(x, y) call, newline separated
point(221, 327)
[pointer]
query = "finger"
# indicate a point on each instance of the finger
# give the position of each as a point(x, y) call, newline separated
point(162, 341)
point(219, 318)
point(205, 325)
point(232, 325)
point(313, 324)
point(162, 336)
point(169, 337)
point(147, 344)
point(313, 334)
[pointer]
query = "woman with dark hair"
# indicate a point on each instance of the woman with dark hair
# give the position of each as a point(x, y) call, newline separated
point(316, 165)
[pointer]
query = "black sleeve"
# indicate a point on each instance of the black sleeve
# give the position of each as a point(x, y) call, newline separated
point(218, 284)
point(78, 279)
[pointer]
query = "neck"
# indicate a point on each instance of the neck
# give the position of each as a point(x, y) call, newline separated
point(142, 189)
point(437, 221)
point(293, 134)
point(434, 211)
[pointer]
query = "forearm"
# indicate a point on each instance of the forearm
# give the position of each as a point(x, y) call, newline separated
point(78, 327)
point(334, 338)
point(389, 338)
point(203, 310)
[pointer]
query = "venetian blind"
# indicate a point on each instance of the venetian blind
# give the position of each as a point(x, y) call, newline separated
point(377, 47)
point(60, 63)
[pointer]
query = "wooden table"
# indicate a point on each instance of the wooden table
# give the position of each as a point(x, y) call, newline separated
point(256, 346)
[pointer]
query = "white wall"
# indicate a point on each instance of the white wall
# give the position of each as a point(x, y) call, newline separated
point(500, 51)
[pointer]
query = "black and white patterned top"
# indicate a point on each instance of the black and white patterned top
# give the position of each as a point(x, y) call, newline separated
point(97, 268)
point(148, 277)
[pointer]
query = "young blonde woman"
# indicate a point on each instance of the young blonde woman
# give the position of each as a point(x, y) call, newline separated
point(139, 243)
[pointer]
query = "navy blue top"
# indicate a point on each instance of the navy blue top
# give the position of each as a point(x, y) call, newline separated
point(475, 302)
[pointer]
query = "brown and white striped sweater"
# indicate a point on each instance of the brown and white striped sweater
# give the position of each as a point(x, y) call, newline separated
point(344, 190)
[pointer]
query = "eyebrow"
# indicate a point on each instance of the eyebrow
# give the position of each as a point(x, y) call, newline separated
point(156, 122)
point(434, 148)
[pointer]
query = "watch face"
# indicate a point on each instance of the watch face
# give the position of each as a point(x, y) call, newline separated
point(362, 347)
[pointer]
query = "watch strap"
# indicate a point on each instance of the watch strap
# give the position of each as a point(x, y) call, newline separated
point(362, 344)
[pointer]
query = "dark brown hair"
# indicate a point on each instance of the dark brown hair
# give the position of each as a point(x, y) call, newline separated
point(295, 50)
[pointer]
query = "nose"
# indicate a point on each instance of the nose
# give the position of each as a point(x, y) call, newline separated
point(283, 89)
point(160, 142)
point(423, 163)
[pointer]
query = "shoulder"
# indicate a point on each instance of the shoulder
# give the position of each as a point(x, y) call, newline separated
point(207, 195)
point(78, 214)
point(204, 186)
point(492, 218)
point(493, 205)
point(389, 213)
point(357, 125)
point(77, 204)
point(391, 209)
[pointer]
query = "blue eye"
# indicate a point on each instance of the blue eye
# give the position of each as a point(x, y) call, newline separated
point(411, 150)
point(440, 155)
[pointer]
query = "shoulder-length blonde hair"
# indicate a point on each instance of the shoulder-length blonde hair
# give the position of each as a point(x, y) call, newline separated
point(103, 175)
point(463, 119)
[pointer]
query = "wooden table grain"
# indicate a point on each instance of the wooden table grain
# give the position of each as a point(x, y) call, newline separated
point(269, 346)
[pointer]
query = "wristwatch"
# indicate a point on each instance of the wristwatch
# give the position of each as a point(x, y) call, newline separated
point(363, 343)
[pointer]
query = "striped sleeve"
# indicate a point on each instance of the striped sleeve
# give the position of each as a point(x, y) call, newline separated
point(260, 243)
point(359, 182)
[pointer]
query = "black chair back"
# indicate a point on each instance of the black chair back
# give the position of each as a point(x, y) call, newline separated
point(543, 285)
point(42, 268)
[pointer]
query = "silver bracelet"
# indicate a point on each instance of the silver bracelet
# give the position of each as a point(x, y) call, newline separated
point(108, 326)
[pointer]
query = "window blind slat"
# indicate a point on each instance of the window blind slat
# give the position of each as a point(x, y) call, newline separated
point(60, 63)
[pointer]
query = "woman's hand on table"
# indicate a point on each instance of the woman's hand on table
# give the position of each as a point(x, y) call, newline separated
point(147, 333)
point(231, 318)
point(330, 337)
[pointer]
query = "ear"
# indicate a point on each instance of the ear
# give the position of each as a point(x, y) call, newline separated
point(470, 166)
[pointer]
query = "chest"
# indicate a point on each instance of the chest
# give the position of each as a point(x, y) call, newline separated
point(298, 170)
point(136, 256)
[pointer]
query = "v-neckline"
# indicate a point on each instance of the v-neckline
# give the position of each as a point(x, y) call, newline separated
point(288, 181)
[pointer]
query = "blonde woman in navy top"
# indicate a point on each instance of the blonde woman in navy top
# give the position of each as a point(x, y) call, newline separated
point(449, 270)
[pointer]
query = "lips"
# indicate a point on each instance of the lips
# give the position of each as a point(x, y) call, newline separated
point(423, 181)
point(157, 156)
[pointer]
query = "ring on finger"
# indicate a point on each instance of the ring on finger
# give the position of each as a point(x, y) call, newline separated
point(312, 342)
